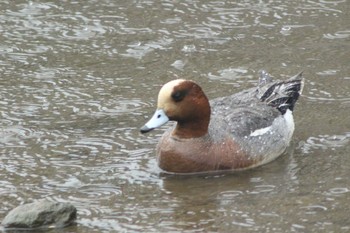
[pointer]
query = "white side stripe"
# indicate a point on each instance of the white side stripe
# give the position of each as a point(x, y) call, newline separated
point(259, 132)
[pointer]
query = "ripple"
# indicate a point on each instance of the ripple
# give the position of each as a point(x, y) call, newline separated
point(100, 191)
point(33, 17)
point(189, 48)
point(139, 50)
point(14, 135)
point(263, 189)
point(248, 223)
point(76, 82)
point(335, 2)
point(336, 191)
point(95, 144)
point(238, 76)
point(287, 30)
point(6, 188)
point(230, 194)
point(324, 142)
point(84, 32)
point(337, 35)
point(92, 146)
point(127, 105)
point(106, 224)
point(327, 72)
point(312, 209)
point(322, 92)
point(178, 64)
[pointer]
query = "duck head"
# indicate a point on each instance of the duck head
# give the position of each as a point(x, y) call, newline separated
point(182, 101)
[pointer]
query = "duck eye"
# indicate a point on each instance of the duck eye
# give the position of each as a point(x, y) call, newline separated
point(178, 95)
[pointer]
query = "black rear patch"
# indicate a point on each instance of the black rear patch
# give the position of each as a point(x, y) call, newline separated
point(282, 94)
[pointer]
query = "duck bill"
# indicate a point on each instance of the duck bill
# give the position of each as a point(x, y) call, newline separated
point(158, 119)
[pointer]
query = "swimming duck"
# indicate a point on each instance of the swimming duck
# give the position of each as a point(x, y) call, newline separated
point(236, 132)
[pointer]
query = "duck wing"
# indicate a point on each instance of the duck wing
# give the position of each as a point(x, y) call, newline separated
point(280, 94)
point(244, 117)
point(256, 108)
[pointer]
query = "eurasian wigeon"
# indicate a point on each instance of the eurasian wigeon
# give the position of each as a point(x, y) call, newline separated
point(237, 132)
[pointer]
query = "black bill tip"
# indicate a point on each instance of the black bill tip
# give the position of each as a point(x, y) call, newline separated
point(145, 129)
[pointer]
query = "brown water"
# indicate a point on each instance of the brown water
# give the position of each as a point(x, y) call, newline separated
point(78, 79)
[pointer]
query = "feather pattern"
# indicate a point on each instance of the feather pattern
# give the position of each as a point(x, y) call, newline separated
point(280, 94)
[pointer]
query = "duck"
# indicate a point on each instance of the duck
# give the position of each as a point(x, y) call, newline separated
point(236, 132)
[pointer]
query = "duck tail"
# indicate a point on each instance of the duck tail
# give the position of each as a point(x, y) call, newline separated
point(280, 94)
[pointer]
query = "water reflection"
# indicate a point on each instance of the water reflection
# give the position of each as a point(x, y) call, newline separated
point(202, 199)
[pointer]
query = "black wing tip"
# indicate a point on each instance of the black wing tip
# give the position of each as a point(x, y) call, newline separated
point(284, 94)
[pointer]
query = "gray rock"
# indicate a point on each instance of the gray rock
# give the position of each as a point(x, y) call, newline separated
point(42, 213)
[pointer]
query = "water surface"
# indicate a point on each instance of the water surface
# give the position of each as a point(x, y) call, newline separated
point(78, 79)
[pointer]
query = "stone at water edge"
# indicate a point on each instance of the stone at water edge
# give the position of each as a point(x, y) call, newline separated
point(42, 213)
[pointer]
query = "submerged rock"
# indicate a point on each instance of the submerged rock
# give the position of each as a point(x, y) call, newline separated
point(42, 213)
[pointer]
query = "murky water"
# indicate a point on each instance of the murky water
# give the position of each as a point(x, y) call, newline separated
point(78, 79)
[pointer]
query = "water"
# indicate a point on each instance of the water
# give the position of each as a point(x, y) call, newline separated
point(78, 79)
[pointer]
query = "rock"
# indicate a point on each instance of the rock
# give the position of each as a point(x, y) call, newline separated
point(42, 213)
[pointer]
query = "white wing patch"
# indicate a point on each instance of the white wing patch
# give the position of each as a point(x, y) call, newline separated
point(285, 123)
point(260, 132)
